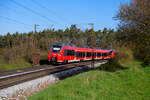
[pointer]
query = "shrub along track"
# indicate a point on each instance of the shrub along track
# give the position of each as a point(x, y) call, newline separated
point(13, 77)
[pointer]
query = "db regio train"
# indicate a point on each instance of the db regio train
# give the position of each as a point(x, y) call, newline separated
point(65, 53)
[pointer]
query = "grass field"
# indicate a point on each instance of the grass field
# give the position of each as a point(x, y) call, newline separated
point(20, 63)
point(132, 83)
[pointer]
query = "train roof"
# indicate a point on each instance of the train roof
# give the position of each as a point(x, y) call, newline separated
point(69, 44)
point(86, 47)
point(64, 44)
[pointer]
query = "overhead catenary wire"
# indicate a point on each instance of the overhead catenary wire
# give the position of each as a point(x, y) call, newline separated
point(37, 13)
point(7, 18)
point(44, 7)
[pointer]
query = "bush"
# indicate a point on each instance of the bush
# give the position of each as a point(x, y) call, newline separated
point(146, 61)
point(112, 65)
point(125, 55)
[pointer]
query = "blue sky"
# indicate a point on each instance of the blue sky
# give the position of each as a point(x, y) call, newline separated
point(57, 14)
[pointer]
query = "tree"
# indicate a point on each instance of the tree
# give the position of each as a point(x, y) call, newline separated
point(8, 40)
point(73, 33)
point(135, 24)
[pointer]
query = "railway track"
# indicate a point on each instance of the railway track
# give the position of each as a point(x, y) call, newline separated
point(13, 77)
point(20, 70)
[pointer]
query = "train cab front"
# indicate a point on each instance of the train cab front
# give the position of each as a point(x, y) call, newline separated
point(54, 53)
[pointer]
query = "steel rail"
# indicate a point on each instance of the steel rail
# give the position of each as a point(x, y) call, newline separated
point(46, 71)
point(49, 71)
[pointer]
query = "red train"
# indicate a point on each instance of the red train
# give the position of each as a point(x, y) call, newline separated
point(64, 53)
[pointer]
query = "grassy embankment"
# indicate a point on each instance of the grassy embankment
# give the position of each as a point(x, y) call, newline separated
point(132, 83)
point(12, 64)
point(19, 63)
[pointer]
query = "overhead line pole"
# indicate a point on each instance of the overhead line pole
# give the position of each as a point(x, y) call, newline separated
point(36, 54)
point(35, 38)
point(92, 35)
point(92, 44)
point(35, 27)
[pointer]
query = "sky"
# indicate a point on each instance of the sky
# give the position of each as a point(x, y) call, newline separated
point(21, 15)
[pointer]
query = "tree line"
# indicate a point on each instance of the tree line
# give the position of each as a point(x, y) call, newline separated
point(24, 44)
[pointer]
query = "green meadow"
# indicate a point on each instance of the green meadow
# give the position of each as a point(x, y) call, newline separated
point(131, 83)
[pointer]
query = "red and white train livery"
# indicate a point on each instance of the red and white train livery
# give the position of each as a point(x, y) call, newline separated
point(64, 53)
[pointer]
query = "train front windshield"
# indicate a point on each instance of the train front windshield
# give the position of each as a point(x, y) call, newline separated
point(56, 48)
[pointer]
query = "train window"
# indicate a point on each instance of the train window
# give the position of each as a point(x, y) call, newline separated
point(86, 54)
point(94, 54)
point(77, 54)
point(89, 54)
point(69, 52)
point(83, 54)
point(110, 53)
point(104, 54)
point(98, 54)
point(80, 55)
point(65, 52)
point(56, 48)
point(73, 52)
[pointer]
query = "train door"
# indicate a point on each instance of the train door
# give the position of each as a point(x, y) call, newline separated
point(72, 54)
point(65, 57)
